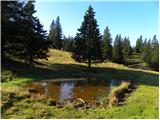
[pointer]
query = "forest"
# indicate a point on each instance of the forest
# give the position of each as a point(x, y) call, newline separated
point(30, 55)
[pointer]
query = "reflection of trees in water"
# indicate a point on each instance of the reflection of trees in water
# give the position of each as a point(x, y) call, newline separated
point(45, 84)
point(66, 90)
point(85, 89)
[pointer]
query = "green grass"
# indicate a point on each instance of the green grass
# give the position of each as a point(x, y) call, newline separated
point(142, 103)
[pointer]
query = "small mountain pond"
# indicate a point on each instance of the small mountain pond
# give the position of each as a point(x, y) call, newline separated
point(88, 89)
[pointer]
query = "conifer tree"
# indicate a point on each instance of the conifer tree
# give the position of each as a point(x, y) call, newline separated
point(146, 51)
point(107, 45)
point(33, 41)
point(117, 50)
point(55, 34)
point(155, 54)
point(139, 45)
point(10, 27)
point(127, 49)
point(68, 43)
point(52, 34)
point(88, 40)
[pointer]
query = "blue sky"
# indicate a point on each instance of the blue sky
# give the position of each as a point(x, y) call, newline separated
point(130, 19)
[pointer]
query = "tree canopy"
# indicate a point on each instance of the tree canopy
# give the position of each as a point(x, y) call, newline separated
point(117, 50)
point(88, 40)
point(55, 34)
point(107, 45)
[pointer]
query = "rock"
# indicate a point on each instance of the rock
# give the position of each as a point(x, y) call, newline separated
point(80, 100)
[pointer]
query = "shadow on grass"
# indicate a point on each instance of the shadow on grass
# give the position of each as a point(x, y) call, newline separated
point(51, 71)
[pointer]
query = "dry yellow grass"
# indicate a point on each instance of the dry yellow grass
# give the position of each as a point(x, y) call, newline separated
point(118, 91)
point(62, 57)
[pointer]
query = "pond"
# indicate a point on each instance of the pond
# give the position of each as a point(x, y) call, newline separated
point(87, 89)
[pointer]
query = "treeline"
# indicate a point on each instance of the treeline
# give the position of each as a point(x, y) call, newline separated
point(89, 46)
point(23, 36)
point(149, 50)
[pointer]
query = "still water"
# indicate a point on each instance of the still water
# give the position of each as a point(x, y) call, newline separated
point(87, 89)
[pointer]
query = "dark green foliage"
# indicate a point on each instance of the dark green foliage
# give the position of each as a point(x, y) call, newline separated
point(139, 45)
point(150, 53)
point(117, 50)
point(52, 33)
point(107, 45)
point(127, 49)
point(146, 51)
point(23, 34)
point(55, 34)
point(11, 11)
point(88, 40)
point(35, 40)
point(155, 54)
point(68, 44)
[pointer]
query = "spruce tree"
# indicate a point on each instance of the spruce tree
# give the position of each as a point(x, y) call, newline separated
point(10, 26)
point(52, 34)
point(139, 45)
point(154, 54)
point(55, 34)
point(146, 51)
point(34, 37)
point(23, 35)
point(107, 45)
point(126, 47)
point(117, 50)
point(88, 40)
point(68, 44)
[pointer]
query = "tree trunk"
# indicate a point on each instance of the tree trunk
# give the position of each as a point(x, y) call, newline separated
point(30, 58)
point(89, 62)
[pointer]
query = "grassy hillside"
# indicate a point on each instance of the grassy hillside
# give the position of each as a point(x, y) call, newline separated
point(142, 103)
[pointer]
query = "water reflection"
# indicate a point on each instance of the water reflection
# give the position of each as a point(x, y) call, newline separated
point(86, 89)
point(66, 90)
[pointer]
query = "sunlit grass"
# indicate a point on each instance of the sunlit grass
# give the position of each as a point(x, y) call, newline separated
point(142, 103)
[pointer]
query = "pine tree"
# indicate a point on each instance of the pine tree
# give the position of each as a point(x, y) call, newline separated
point(117, 50)
point(127, 49)
point(68, 44)
point(107, 45)
point(35, 41)
point(154, 54)
point(88, 40)
point(139, 45)
point(23, 35)
point(146, 51)
point(52, 34)
point(55, 34)
point(10, 27)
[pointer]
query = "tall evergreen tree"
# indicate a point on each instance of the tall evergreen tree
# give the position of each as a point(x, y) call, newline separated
point(146, 51)
point(68, 44)
point(10, 27)
point(36, 43)
point(117, 50)
point(107, 45)
point(127, 49)
point(139, 45)
point(52, 33)
point(88, 40)
point(155, 54)
point(55, 34)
